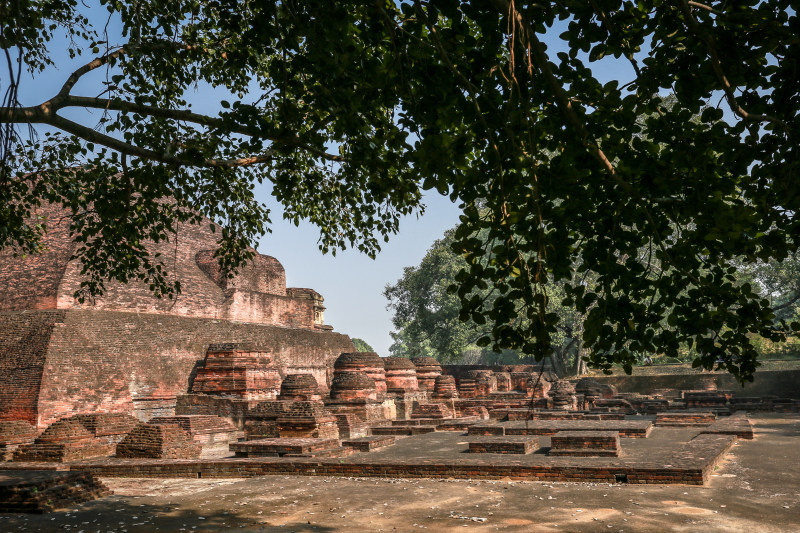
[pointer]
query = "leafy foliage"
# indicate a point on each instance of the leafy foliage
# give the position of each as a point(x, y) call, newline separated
point(349, 109)
point(362, 345)
point(427, 322)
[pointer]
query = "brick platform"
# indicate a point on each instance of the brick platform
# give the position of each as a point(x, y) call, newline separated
point(535, 414)
point(110, 427)
point(159, 441)
point(585, 444)
point(283, 446)
point(213, 433)
point(65, 440)
point(735, 425)
point(419, 422)
point(670, 456)
point(432, 410)
point(367, 444)
point(486, 429)
point(402, 430)
point(458, 424)
point(13, 434)
point(519, 444)
point(45, 491)
point(636, 429)
point(685, 419)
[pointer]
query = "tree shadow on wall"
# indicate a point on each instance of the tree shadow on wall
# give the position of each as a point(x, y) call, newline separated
point(200, 363)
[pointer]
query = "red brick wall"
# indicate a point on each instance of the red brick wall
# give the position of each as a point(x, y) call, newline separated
point(257, 294)
point(269, 309)
point(265, 274)
point(781, 383)
point(24, 337)
point(32, 282)
point(56, 364)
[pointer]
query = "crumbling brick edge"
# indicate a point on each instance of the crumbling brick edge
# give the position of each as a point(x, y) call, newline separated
point(692, 464)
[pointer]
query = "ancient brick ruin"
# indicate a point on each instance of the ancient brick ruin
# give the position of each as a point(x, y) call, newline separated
point(240, 376)
point(237, 420)
point(131, 353)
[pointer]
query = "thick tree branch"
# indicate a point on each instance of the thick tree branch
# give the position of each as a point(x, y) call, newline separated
point(707, 8)
point(791, 301)
point(114, 104)
point(88, 67)
point(45, 113)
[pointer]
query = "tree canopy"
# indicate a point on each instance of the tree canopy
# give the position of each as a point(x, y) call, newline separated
point(427, 323)
point(350, 109)
point(362, 345)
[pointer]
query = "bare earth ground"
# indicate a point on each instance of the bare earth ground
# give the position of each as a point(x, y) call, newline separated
point(755, 489)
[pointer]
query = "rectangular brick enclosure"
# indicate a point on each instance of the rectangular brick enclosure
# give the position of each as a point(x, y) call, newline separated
point(636, 429)
point(517, 444)
point(585, 444)
point(685, 419)
point(282, 446)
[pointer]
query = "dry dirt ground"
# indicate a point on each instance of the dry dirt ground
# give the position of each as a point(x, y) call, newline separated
point(755, 489)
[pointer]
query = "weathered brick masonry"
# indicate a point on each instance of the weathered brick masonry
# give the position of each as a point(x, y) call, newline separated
point(55, 364)
point(128, 352)
point(257, 294)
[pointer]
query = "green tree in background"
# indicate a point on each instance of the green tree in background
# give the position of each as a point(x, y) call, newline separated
point(351, 109)
point(427, 322)
point(362, 345)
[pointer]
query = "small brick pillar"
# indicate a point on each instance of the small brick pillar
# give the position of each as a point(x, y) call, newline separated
point(401, 375)
point(445, 387)
point(238, 371)
point(300, 387)
point(366, 363)
point(353, 386)
point(563, 395)
point(428, 369)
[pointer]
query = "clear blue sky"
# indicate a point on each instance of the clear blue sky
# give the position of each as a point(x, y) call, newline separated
point(351, 283)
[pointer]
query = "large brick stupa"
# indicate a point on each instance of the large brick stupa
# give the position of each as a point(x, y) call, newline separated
point(130, 352)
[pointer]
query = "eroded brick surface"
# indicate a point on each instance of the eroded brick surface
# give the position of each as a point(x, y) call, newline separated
point(43, 492)
point(158, 441)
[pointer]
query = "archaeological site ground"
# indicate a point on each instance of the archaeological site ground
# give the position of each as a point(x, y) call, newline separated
point(235, 407)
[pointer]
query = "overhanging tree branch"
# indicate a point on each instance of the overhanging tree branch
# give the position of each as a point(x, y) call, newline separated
point(716, 65)
point(45, 113)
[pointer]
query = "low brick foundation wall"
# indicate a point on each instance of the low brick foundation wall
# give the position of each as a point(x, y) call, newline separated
point(685, 419)
point(635, 429)
point(585, 444)
point(505, 444)
point(692, 473)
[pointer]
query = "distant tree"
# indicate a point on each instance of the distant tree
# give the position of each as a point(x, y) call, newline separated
point(427, 317)
point(362, 345)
